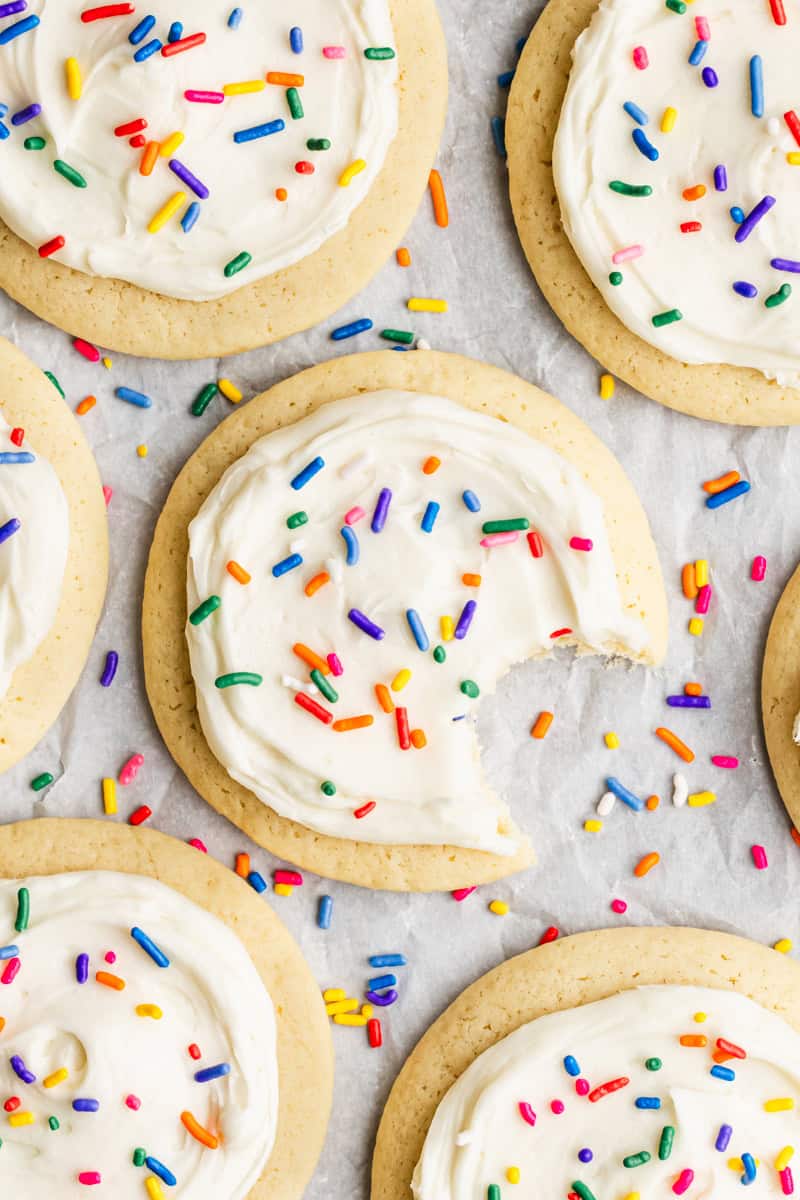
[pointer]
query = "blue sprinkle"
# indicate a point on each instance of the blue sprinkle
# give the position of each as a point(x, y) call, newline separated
point(505, 80)
point(287, 564)
point(756, 86)
point(351, 542)
point(499, 135)
point(571, 1066)
point(7, 952)
point(3, 110)
point(742, 288)
point(296, 39)
point(190, 217)
point(325, 912)
point(723, 1138)
point(644, 146)
point(82, 968)
point(307, 474)
point(723, 1073)
point(148, 945)
point(235, 19)
point(417, 629)
point(6, 531)
point(14, 31)
point(259, 131)
point(624, 795)
point(163, 1173)
point(430, 515)
point(638, 114)
point(87, 1106)
point(748, 1162)
point(710, 77)
point(521, 43)
point(175, 31)
point(9, 458)
point(471, 501)
point(5, 132)
point(131, 397)
point(737, 489)
point(26, 114)
point(698, 53)
point(210, 1073)
point(388, 960)
point(382, 981)
point(148, 50)
point(647, 1102)
point(140, 31)
point(351, 330)
point(737, 214)
point(258, 883)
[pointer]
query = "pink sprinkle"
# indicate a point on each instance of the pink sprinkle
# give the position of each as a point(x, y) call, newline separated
point(131, 769)
point(133, 1102)
point(11, 972)
point(500, 539)
point(703, 601)
point(86, 349)
point(526, 1112)
point(626, 255)
point(335, 664)
point(107, 494)
point(640, 59)
point(557, 1106)
point(787, 1183)
point(703, 28)
point(355, 514)
point(759, 857)
point(683, 1182)
point(619, 906)
point(577, 543)
point(334, 51)
point(727, 761)
point(198, 845)
point(204, 97)
point(582, 1087)
point(90, 1178)
point(759, 568)
point(111, 957)
point(461, 893)
point(291, 878)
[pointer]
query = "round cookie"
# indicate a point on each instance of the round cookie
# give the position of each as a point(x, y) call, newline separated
point(737, 395)
point(47, 847)
point(40, 687)
point(569, 972)
point(167, 670)
point(780, 695)
point(132, 320)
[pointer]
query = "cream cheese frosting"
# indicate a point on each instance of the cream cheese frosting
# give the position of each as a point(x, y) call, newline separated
point(275, 166)
point(340, 572)
point(680, 266)
point(34, 540)
point(103, 1047)
point(685, 1114)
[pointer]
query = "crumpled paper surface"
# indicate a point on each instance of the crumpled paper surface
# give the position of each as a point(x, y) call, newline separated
point(706, 876)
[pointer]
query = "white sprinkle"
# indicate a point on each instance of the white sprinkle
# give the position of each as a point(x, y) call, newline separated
point(773, 127)
point(334, 568)
point(299, 685)
point(605, 804)
point(464, 1138)
point(297, 545)
point(422, 344)
point(680, 790)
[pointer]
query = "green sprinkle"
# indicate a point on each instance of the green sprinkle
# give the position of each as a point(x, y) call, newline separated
point(204, 610)
point(583, 1191)
point(238, 264)
point(615, 278)
point(375, 53)
point(318, 144)
point(636, 1160)
point(677, 6)
point(56, 384)
point(667, 318)
point(630, 189)
point(324, 686)
point(398, 335)
point(328, 788)
point(783, 293)
point(234, 678)
point(493, 1192)
point(34, 143)
point(665, 1144)
point(23, 910)
point(439, 654)
point(295, 103)
point(653, 1064)
point(296, 520)
point(506, 526)
point(139, 1155)
point(204, 399)
point(470, 688)
point(69, 173)
point(54, 1123)
point(42, 781)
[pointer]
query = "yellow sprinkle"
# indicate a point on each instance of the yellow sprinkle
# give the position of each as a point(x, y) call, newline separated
point(109, 797)
point(784, 1158)
point(401, 679)
point(607, 386)
point(499, 908)
point(107, 363)
point(283, 889)
point(793, 158)
point(632, 1196)
point(337, 1007)
point(331, 994)
point(448, 627)
point(154, 1189)
point(356, 1021)
point(736, 1164)
point(423, 304)
point(21, 1118)
point(783, 945)
point(701, 572)
point(367, 1011)
point(780, 1104)
point(74, 79)
point(592, 825)
point(243, 89)
point(701, 799)
point(349, 173)
point(696, 626)
point(149, 1010)
point(668, 120)
point(57, 1077)
point(229, 390)
point(172, 143)
point(512, 1174)
point(167, 212)
point(700, 1017)
point(611, 740)
point(142, 450)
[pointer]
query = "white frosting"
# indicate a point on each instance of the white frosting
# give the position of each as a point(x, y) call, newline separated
point(436, 795)
point(693, 272)
point(32, 560)
point(351, 101)
point(210, 996)
point(478, 1132)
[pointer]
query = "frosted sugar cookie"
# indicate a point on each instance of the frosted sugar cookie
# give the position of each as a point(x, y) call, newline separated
point(53, 554)
point(179, 182)
point(780, 697)
point(356, 575)
point(654, 179)
point(616, 1063)
point(159, 1030)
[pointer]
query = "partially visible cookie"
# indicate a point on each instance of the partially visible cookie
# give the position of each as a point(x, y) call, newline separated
point(780, 695)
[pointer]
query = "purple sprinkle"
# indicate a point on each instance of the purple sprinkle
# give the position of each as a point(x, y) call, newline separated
point(365, 625)
point(26, 114)
point(381, 510)
point(465, 620)
point(723, 1137)
point(9, 529)
point(110, 670)
point(786, 264)
point(721, 178)
point(82, 968)
point(753, 217)
point(382, 1001)
point(689, 701)
point(86, 1105)
point(743, 288)
point(189, 179)
point(710, 77)
point(585, 1155)
point(19, 1069)
point(8, 10)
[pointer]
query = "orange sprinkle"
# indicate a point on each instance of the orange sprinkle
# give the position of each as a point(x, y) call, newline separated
point(86, 404)
point(712, 486)
point(310, 658)
point(418, 739)
point(439, 200)
point(2, 1024)
point(384, 699)
point(243, 865)
point(110, 981)
point(646, 864)
point(471, 580)
point(675, 743)
point(403, 257)
point(238, 573)
point(319, 581)
point(689, 582)
point(719, 1056)
point(283, 79)
point(353, 723)
point(431, 465)
point(693, 689)
point(652, 803)
point(542, 724)
point(198, 1133)
point(695, 193)
point(149, 158)
point(795, 836)
point(693, 1039)
point(281, 194)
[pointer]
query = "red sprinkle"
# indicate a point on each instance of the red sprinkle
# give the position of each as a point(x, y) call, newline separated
point(403, 735)
point(312, 707)
point(12, 1104)
point(606, 1089)
point(691, 226)
point(793, 121)
point(560, 633)
point(374, 1033)
point(365, 810)
point(194, 1051)
point(52, 247)
point(101, 12)
point(731, 1048)
point(549, 935)
point(138, 141)
point(17, 436)
point(778, 14)
point(130, 127)
point(86, 349)
point(304, 168)
point(536, 544)
point(141, 815)
point(196, 39)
